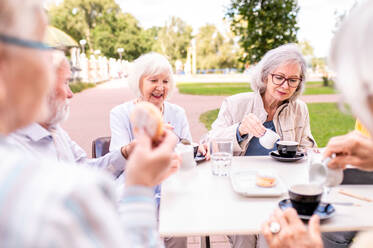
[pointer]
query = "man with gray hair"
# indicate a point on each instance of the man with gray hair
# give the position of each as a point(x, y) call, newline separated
point(47, 138)
point(46, 203)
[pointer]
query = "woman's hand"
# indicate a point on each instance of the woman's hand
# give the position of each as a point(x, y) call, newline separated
point(251, 125)
point(353, 148)
point(204, 150)
point(293, 233)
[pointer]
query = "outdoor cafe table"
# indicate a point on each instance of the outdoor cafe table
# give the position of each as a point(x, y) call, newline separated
point(196, 203)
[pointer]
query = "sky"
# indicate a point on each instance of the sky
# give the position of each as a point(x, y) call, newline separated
point(316, 18)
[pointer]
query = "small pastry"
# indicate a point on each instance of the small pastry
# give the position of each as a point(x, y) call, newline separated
point(147, 117)
point(265, 179)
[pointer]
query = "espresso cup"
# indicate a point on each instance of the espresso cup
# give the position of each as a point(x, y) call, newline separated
point(287, 149)
point(305, 198)
point(268, 140)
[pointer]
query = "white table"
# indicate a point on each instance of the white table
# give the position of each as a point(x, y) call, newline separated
point(196, 203)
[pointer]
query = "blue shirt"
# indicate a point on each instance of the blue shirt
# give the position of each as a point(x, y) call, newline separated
point(255, 148)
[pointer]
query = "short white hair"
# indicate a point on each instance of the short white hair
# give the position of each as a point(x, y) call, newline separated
point(146, 65)
point(58, 58)
point(351, 58)
point(281, 55)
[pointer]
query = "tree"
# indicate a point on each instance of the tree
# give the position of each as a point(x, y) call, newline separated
point(263, 25)
point(216, 50)
point(306, 48)
point(174, 39)
point(103, 24)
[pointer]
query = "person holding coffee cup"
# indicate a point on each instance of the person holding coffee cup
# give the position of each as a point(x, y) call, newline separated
point(278, 80)
point(254, 119)
point(352, 59)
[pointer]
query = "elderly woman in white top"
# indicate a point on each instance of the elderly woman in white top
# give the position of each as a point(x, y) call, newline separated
point(151, 79)
point(278, 81)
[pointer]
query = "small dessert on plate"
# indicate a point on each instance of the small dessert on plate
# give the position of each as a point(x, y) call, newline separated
point(265, 179)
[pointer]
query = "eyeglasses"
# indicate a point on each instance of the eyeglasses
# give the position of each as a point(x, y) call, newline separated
point(279, 80)
point(25, 43)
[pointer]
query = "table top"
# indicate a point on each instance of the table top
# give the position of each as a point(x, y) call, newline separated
point(194, 202)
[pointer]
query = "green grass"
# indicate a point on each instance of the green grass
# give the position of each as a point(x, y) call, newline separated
point(218, 89)
point(326, 121)
point(80, 86)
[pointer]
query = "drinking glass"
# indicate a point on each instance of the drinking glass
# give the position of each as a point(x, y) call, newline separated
point(221, 156)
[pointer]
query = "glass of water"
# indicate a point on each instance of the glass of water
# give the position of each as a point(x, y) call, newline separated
point(221, 156)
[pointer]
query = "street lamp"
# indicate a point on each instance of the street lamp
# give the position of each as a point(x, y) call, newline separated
point(82, 43)
point(120, 51)
point(97, 52)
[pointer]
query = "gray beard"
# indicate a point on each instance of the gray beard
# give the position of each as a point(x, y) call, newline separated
point(59, 113)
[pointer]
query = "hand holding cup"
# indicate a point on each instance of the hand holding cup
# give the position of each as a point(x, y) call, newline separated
point(251, 125)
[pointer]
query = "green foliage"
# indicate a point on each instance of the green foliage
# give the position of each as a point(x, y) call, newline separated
point(312, 88)
point(217, 89)
point(263, 25)
point(306, 48)
point(326, 121)
point(173, 39)
point(103, 25)
point(216, 50)
point(80, 86)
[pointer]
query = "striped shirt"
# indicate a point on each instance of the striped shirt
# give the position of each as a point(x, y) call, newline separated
point(44, 204)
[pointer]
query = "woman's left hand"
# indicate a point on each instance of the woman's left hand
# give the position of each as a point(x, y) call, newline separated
point(204, 150)
point(291, 232)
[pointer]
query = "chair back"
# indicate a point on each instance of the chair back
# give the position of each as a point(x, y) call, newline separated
point(100, 146)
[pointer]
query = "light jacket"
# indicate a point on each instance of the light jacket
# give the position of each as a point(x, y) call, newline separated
point(291, 120)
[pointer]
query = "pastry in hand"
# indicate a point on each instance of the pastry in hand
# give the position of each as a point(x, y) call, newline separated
point(145, 116)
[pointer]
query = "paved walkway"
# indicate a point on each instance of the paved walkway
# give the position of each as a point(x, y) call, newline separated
point(89, 116)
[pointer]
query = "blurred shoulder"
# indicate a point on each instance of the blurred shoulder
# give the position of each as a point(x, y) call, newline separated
point(124, 108)
point(241, 98)
point(174, 108)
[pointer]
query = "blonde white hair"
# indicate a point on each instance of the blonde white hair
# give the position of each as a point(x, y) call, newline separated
point(351, 58)
point(147, 65)
point(281, 55)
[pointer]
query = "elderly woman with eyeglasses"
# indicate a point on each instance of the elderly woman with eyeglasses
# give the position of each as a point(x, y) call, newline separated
point(351, 58)
point(278, 80)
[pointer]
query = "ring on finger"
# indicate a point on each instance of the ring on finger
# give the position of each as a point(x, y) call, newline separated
point(274, 227)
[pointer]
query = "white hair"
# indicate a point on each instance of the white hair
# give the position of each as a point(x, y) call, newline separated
point(352, 59)
point(58, 58)
point(274, 58)
point(147, 65)
point(17, 17)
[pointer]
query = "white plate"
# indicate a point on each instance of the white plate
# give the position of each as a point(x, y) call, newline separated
point(244, 183)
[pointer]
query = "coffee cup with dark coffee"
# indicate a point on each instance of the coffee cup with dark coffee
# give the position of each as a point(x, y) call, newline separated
point(287, 149)
point(305, 198)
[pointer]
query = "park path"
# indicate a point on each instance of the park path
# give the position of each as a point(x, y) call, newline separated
point(89, 115)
